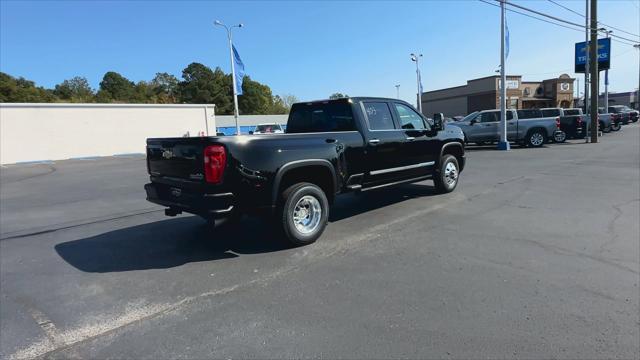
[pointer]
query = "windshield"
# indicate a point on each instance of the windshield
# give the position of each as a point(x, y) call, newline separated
point(320, 117)
point(550, 112)
point(470, 116)
point(268, 128)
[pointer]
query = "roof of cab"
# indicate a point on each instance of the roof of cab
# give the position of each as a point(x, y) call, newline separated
point(352, 99)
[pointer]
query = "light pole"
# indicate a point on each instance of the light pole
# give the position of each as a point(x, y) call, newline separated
point(503, 144)
point(637, 46)
point(416, 59)
point(398, 91)
point(233, 71)
point(606, 76)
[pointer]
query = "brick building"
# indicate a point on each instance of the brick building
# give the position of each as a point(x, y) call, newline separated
point(484, 93)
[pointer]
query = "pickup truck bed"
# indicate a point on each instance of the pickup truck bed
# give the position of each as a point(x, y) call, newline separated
point(331, 147)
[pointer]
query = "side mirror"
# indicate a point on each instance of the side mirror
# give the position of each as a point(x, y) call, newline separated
point(438, 122)
point(250, 132)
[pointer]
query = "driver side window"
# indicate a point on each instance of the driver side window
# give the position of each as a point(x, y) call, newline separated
point(488, 117)
point(409, 119)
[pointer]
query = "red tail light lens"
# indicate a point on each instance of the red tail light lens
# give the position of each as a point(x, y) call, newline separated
point(558, 122)
point(215, 159)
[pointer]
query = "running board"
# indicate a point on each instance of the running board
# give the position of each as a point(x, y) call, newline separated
point(412, 180)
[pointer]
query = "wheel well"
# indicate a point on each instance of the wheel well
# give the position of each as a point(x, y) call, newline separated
point(315, 174)
point(542, 130)
point(454, 150)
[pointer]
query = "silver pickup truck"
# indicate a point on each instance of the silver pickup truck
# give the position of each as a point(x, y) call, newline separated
point(523, 127)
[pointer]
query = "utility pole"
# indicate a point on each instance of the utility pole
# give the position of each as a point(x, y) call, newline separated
point(593, 57)
point(398, 91)
point(416, 58)
point(233, 71)
point(577, 91)
point(586, 65)
point(503, 144)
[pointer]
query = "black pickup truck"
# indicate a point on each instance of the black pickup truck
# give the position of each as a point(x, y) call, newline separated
point(330, 147)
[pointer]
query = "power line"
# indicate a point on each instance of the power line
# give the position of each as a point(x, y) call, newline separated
point(599, 22)
point(579, 26)
point(567, 21)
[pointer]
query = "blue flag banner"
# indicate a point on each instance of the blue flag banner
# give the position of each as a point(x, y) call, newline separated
point(239, 66)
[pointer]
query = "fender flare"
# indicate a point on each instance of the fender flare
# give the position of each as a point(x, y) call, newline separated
point(450, 144)
point(298, 164)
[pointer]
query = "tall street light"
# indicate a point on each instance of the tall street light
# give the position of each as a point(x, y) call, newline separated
point(416, 58)
point(398, 91)
point(503, 144)
point(637, 46)
point(606, 76)
point(233, 70)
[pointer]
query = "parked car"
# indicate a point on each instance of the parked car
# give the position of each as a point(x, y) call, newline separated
point(330, 147)
point(483, 127)
point(272, 128)
point(570, 121)
point(614, 120)
point(627, 115)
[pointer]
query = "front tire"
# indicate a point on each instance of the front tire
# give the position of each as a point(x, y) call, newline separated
point(303, 213)
point(446, 178)
point(536, 138)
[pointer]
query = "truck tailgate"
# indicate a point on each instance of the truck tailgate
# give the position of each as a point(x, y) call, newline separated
point(180, 158)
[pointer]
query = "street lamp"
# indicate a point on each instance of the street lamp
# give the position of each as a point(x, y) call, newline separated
point(606, 74)
point(233, 70)
point(637, 46)
point(398, 91)
point(416, 59)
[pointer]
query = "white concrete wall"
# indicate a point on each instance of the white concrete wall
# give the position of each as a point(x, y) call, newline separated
point(34, 132)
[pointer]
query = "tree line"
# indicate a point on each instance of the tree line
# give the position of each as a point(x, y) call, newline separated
point(199, 85)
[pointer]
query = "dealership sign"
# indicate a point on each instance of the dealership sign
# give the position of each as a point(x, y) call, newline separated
point(604, 55)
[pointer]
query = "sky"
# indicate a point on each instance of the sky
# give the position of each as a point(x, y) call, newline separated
point(310, 49)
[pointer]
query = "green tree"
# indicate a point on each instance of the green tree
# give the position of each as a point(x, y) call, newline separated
point(338, 96)
point(256, 98)
point(201, 85)
point(22, 90)
point(165, 88)
point(76, 89)
point(116, 88)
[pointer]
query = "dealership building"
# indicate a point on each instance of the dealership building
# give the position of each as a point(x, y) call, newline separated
point(484, 93)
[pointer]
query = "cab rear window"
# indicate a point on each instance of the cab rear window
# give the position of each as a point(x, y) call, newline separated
point(320, 117)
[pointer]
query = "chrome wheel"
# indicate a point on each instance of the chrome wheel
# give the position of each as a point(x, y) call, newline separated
point(307, 214)
point(450, 174)
point(560, 136)
point(537, 139)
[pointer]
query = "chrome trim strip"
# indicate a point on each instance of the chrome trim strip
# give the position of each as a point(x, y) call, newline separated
point(420, 178)
point(401, 168)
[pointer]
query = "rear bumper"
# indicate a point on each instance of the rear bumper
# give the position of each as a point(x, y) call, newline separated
point(203, 204)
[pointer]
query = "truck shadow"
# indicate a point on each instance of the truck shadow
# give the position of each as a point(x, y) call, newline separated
point(177, 241)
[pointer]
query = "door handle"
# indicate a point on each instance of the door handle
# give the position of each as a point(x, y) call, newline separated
point(330, 141)
point(410, 138)
point(374, 141)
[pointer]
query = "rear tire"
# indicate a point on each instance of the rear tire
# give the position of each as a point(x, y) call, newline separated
point(446, 177)
point(303, 213)
point(536, 138)
point(560, 137)
point(615, 126)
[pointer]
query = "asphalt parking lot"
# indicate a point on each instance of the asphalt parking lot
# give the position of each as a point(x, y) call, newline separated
point(535, 255)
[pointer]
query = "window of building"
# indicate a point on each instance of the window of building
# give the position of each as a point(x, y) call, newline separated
point(527, 91)
point(379, 116)
point(513, 103)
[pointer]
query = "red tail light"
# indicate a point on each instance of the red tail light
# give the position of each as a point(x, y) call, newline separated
point(558, 122)
point(215, 159)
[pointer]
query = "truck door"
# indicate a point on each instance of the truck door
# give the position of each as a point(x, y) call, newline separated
point(488, 126)
point(420, 149)
point(512, 126)
point(384, 141)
